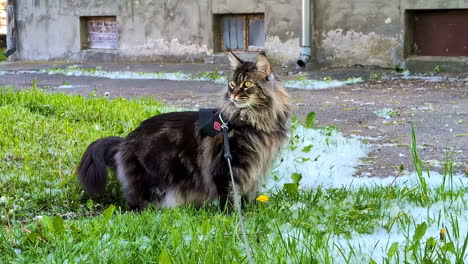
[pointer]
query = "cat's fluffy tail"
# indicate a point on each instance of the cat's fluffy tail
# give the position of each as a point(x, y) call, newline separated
point(92, 171)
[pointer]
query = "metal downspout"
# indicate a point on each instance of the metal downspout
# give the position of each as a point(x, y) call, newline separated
point(306, 47)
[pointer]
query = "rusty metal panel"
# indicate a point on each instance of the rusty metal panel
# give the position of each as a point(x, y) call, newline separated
point(440, 33)
point(102, 33)
point(3, 17)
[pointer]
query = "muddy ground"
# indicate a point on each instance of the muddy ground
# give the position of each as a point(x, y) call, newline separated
point(439, 109)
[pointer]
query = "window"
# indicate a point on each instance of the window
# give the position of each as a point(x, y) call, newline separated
point(99, 32)
point(242, 32)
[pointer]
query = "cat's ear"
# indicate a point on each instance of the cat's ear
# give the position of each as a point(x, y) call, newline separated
point(263, 65)
point(234, 60)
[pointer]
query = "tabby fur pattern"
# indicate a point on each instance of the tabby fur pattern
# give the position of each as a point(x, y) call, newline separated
point(168, 162)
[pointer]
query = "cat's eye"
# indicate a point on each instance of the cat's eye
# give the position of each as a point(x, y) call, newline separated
point(232, 84)
point(247, 84)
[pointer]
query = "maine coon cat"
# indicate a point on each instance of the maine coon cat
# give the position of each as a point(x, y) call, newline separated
point(168, 162)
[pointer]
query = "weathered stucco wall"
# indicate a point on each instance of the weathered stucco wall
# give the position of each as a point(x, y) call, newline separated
point(283, 23)
point(368, 32)
point(150, 30)
point(357, 32)
point(160, 29)
point(50, 29)
point(36, 39)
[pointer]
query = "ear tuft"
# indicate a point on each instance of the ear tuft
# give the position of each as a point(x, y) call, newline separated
point(263, 65)
point(234, 60)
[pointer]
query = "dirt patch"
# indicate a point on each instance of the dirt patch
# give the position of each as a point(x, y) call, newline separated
point(438, 111)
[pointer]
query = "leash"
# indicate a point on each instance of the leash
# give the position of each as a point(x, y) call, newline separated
point(237, 203)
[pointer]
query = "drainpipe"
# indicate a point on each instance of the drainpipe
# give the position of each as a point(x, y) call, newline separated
point(11, 30)
point(306, 48)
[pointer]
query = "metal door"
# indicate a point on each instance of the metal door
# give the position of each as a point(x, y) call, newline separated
point(440, 33)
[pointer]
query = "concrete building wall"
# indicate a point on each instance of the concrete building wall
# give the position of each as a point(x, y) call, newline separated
point(283, 23)
point(50, 29)
point(357, 32)
point(149, 30)
point(368, 32)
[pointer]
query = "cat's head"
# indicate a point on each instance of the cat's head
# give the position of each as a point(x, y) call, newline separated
point(248, 84)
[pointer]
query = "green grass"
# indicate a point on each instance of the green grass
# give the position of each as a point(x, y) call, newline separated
point(2, 57)
point(46, 218)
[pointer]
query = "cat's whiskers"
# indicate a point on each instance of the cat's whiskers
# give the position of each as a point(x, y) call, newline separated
point(231, 100)
point(252, 108)
point(263, 105)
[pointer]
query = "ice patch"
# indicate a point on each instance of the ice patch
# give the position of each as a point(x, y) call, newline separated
point(173, 76)
point(315, 84)
point(74, 70)
point(425, 78)
point(407, 76)
point(328, 159)
point(437, 216)
point(214, 76)
point(324, 158)
point(366, 138)
point(71, 86)
point(359, 102)
point(65, 87)
point(433, 180)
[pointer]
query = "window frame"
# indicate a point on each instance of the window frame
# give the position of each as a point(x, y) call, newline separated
point(85, 32)
point(246, 31)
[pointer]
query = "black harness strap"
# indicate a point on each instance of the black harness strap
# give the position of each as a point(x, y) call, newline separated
point(209, 122)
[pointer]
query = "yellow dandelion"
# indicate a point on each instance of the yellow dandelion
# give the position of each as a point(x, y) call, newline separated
point(263, 198)
point(442, 234)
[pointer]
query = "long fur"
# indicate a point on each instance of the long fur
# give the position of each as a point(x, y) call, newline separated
point(92, 171)
point(166, 161)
